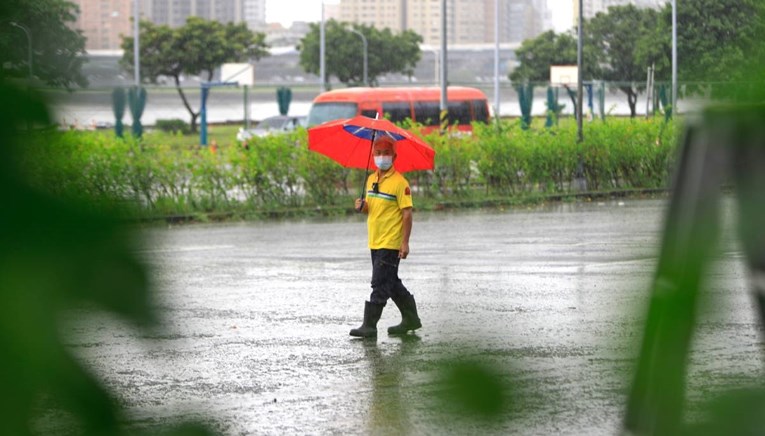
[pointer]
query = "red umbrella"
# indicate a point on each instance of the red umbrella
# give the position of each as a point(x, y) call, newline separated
point(349, 142)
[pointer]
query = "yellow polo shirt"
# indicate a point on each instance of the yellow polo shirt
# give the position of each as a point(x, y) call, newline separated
point(385, 220)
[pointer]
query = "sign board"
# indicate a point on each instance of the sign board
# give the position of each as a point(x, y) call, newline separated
point(562, 75)
point(242, 73)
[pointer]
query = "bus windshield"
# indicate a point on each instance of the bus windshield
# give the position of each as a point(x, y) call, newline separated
point(323, 112)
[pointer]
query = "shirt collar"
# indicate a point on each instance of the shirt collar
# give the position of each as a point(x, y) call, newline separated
point(388, 174)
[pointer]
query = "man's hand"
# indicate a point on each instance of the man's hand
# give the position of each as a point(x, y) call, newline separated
point(406, 230)
point(403, 252)
point(361, 205)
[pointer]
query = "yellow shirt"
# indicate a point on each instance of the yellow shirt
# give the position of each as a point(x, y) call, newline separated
point(385, 219)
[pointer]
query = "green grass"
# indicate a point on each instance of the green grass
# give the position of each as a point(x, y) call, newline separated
point(223, 135)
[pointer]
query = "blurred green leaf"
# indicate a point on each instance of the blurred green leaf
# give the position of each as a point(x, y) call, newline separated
point(473, 389)
point(56, 253)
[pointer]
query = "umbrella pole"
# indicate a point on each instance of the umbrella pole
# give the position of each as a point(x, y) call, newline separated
point(366, 172)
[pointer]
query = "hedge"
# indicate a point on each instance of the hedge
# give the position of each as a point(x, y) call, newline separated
point(278, 173)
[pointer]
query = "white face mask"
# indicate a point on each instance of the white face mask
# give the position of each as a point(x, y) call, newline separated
point(384, 162)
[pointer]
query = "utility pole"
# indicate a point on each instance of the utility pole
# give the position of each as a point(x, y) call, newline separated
point(444, 108)
point(322, 52)
point(29, 48)
point(674, 57)
point(496, 60)
point(136, 43)
point(579, 87)
point(366, 54)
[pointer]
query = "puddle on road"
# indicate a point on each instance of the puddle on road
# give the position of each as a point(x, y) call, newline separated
point(257, 315)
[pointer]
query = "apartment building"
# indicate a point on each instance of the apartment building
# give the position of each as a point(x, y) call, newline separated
point(424, 18)
point(174, 12)
point(103, 22)
point(254, 13)
point(590, 8)
point(523, 19)
point(333, 11)
point(468, 21)
point(377, 13)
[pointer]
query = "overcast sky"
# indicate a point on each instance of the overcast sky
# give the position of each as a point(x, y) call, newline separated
point(287, 11)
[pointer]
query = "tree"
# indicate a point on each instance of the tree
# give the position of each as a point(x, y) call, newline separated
point(716, 39)
point(57, 50)
point(387, 53)
point(196, 48)
point(615, 35)
point(712, 37)
point(536, 55)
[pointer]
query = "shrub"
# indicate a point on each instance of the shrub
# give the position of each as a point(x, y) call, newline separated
point(174, 126)
point(278, 171)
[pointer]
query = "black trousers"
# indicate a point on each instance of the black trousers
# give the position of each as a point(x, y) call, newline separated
point(385, 281)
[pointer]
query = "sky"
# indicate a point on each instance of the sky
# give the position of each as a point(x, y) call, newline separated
point(287, 11)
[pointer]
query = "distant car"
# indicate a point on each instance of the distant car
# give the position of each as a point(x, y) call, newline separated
point(271, 125)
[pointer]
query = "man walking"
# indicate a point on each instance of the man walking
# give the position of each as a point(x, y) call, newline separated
point(388, 207)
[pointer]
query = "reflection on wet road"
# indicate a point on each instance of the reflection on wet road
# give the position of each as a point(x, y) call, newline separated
point(256, 319)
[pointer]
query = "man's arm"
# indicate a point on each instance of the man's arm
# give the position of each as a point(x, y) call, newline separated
point(403, 252)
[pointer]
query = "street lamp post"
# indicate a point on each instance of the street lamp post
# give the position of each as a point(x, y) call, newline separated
point(136, 43)
point(443, 103)
point(674, 57)
point(366, 64)
point(322, 50)
point(436, 62)
point(579, 86)
point(29, 45)
point(496, 60)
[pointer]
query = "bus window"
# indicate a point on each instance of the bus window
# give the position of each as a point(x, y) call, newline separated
point(459, 112)
point(369, 113)
point(396, 111)
point(323, 112)
point(480, 111)
point(427, 112)
point(465, 105)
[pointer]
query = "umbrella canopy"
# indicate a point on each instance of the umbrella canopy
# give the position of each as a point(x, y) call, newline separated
point(349, 142)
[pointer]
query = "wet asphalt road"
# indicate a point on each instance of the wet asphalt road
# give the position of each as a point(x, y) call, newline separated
point(256, 319)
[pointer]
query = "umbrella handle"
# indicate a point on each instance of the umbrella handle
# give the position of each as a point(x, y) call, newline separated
point(366, 173)
point(363, 191)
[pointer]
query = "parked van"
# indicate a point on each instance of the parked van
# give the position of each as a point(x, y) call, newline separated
point(465, 105)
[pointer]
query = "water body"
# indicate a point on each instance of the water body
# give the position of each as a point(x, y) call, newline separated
point(551, 298)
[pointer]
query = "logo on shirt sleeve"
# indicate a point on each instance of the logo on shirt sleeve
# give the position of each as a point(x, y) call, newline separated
point(407, 191)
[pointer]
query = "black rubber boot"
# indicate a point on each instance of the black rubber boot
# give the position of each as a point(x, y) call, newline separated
point(372, 313)
point(409, 318)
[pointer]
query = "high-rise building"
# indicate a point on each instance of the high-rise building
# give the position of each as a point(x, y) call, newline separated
point(523, 19)
point(254, 13)
point(174, 12)
point(424, 18)
point(591, 8)
point(468, 21)
point(332, 11)
point(379, 13)
point(104, 22)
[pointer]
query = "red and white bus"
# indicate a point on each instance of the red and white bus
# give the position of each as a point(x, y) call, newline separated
point(465, 105)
